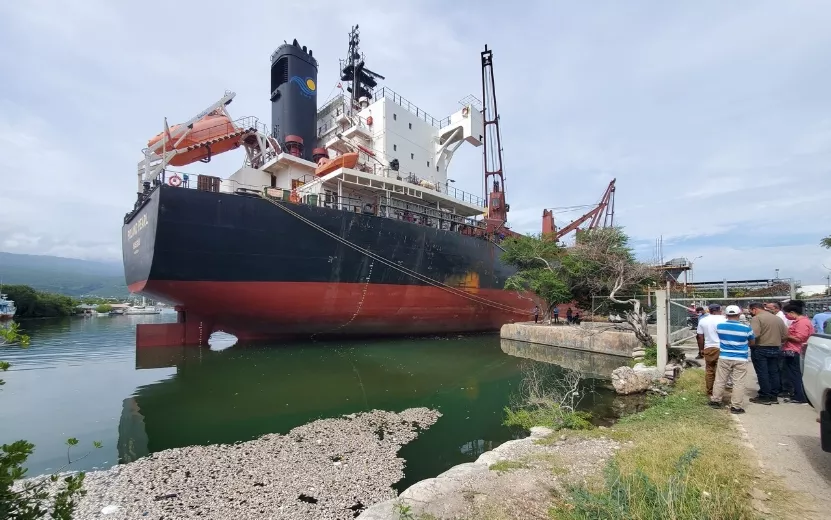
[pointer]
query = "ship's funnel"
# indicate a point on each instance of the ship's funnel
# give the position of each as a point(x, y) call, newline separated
point(294, 96)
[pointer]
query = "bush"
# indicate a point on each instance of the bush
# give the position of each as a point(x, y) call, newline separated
point(104, 308)
point(36, 304)
point(552, 417)
point(548, 396)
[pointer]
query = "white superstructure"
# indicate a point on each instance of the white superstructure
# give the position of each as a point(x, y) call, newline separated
point(382, 131)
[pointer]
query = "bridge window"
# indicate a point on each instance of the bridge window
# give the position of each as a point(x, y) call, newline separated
point(411, 126)
point(395, 117)
point(394, 147)
point(412, 156)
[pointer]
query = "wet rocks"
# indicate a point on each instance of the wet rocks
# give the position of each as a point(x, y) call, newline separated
point(327, 469)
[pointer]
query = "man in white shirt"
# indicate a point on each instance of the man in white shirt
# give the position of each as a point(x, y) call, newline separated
point(776, 308)
point(708, 343)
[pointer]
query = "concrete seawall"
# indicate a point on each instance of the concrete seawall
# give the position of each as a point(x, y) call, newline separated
point(591, 364)
point(589, 339)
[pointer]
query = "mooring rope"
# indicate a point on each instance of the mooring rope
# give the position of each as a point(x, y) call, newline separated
point(409, 272)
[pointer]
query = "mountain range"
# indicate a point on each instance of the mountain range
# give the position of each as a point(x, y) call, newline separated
point(69, 276)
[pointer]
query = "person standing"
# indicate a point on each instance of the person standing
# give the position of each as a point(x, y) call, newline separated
point(735, 339)
point(776, 309)
point(536, 313)
point(821, 318)
point(556, 313)
point(568, 315)
point(798, 334)
point(708, 343)
point(770, 333)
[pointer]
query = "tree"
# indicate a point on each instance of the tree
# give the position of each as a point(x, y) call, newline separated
point(538, 262)
point(826, 242)
point(36, 304)
point(601, 262)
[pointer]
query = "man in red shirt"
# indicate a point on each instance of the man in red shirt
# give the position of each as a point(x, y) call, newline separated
point(798, 333)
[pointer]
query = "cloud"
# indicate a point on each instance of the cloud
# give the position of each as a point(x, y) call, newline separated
point(712, 117)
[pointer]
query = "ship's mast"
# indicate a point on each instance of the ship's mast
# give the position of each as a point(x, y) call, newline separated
point(497, 207)
point(353, 70)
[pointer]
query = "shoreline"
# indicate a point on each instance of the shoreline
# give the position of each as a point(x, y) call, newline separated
point(560, 474)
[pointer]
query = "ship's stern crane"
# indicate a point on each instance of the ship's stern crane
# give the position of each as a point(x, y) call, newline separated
point(601, 216)
point(497, 205)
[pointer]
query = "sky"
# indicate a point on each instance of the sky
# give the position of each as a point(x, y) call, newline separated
point(714, 117)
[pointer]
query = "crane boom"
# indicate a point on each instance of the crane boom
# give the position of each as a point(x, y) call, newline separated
point(497, 206)
point(604, 210)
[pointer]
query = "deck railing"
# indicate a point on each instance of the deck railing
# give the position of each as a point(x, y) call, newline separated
point(387, 93)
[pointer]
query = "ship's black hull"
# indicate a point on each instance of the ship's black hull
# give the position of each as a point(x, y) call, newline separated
point(247, 266)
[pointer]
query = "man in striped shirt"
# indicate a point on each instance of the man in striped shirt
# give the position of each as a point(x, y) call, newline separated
point(735, 339)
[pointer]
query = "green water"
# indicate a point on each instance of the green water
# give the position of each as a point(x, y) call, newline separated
point(84, 378)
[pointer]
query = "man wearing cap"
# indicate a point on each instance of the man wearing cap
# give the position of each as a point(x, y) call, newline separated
point(770, 333)
point(735, 339)
point(708, 343)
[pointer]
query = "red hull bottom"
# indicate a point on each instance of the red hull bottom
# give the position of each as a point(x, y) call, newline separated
point(269, 310)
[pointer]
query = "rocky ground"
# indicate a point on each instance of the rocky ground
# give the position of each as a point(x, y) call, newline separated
point(515, 480)
point(327, 469)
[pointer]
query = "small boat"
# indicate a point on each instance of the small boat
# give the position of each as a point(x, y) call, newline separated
point(116, 312)
point(347, 160)
point(142, 309)
point(7, 308)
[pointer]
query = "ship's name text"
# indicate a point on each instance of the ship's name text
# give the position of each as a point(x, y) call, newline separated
point(137, 226)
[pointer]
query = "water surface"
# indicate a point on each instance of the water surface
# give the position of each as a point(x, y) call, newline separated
point(84, 378)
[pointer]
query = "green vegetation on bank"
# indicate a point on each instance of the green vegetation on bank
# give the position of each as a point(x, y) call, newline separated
point(685, 461)
point(601, 263)
point(31, 303)
point(548, 396)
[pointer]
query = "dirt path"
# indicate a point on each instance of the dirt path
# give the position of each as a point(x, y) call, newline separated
point(786, 440)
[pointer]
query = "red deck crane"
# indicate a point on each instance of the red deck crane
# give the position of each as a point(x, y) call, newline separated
point(602, 215)
point(497, 206)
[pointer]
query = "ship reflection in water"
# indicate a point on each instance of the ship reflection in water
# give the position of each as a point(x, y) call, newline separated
point(246, 391)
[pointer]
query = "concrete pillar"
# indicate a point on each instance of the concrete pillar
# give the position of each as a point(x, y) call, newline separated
point(725, 288)
point(662, 316)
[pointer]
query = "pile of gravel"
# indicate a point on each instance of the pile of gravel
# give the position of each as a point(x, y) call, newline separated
point(327, 469)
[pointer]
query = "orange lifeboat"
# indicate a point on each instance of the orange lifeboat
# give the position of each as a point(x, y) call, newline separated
point(212, 135)
point(347, 160)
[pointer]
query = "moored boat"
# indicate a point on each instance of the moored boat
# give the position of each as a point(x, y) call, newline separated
point(7, 308)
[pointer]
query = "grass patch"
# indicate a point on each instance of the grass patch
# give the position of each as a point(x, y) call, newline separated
point(650, 357)
point(554, 463)
point(549, 415)
point(685, 462)
point(507, 465)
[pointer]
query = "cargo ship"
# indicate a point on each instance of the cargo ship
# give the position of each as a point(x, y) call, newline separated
point(342, 220)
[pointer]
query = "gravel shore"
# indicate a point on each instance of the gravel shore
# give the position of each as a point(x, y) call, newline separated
point(327, 469)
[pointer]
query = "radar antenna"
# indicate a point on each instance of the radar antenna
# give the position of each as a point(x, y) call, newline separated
point(353, 70)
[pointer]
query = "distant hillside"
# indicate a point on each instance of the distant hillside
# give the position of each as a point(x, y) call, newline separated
point(68, 276)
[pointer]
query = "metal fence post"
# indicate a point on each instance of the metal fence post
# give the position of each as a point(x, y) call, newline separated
point(661, 300)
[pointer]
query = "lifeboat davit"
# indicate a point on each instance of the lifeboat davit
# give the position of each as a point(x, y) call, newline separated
point(213, 134)
point(347, 160)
